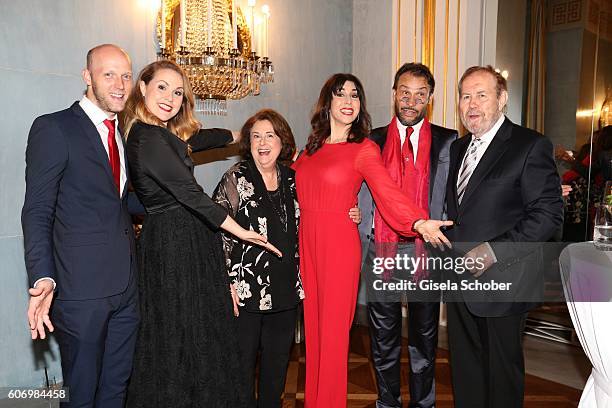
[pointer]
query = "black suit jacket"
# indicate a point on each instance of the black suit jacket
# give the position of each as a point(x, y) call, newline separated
point(513, 201)
point(76, 228)
point(441, 140)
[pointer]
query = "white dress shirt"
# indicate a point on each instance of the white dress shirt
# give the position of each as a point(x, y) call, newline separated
point(486, 138)
point(97, 116)
point(414, 137)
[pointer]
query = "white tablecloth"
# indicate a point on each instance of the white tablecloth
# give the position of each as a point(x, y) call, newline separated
point(587, 281)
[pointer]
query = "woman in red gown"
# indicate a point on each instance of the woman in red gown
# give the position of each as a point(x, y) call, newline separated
point(337, 159)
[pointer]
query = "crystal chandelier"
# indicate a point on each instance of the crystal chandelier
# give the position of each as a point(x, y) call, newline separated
point(224, 55)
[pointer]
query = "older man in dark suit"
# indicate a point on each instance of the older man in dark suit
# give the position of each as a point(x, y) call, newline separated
point(78, 235)
point(504, 196)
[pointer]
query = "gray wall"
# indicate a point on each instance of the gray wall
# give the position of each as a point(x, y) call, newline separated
point(563, 79)
point(372, 56)
point(42, 52)
point(570, 59)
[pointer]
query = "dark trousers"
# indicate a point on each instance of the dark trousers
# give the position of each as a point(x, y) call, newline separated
point(385, 325)
point(97, 340)
point(486, 358)
point(272, 335)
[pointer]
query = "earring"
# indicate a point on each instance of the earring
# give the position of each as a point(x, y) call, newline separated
point(325, 114)
point(357, 120)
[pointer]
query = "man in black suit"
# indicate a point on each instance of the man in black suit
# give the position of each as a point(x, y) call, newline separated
point(78, 235)
point(425, 149)
point(504, 196)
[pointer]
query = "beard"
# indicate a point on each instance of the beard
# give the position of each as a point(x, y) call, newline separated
point(409, 122)
point(480, 126)
point(105, 102)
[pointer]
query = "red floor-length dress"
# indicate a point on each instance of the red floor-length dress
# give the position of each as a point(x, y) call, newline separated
point(330, 254)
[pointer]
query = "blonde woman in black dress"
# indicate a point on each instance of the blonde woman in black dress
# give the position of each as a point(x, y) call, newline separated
point(186, 353)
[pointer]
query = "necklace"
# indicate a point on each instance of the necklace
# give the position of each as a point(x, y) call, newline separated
point(282, 215)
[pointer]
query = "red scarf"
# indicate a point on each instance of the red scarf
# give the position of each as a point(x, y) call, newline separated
point(413, 180)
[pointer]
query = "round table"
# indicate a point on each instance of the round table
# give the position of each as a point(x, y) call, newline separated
point(586, 274)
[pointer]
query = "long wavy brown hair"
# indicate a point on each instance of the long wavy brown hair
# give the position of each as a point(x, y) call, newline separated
point(320, 121)
point(183, 124)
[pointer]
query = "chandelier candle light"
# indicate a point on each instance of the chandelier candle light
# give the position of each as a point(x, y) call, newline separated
point(212, 42)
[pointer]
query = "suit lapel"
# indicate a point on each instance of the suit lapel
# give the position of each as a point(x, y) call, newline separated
point(463, 144)
point(379, 136)
point(92, 134)
point(496, 149)
point(436, 146)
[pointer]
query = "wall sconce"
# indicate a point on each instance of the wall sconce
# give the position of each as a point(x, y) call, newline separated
point(505, 74)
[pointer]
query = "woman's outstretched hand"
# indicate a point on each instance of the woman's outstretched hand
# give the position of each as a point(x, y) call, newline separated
point(255, 238)
point(231, 226)
point(430, 231)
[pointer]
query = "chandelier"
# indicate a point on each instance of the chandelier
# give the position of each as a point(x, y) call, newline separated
point(223, 55)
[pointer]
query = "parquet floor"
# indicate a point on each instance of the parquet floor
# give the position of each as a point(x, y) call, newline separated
point(539, 393)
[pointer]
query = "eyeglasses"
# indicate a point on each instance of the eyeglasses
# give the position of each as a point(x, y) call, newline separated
point(418, 98)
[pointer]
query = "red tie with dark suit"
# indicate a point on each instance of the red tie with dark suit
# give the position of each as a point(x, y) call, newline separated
point(407, 151)
point(113, 153)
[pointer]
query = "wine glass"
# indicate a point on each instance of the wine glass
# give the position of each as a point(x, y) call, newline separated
point(602, 233)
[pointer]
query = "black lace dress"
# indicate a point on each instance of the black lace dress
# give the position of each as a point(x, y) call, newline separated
point(186, 354)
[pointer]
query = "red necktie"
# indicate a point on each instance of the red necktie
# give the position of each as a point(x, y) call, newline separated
point(407, 152)
point(113, 153)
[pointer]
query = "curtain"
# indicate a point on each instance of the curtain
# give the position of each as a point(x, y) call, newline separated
point(536, 68)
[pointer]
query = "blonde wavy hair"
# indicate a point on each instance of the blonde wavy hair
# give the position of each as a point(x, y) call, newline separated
point(183, 124)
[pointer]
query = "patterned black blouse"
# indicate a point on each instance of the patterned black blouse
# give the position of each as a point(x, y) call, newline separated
point(264, 282)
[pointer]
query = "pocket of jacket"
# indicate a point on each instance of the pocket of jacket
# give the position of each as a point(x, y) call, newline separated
point(85, 238)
